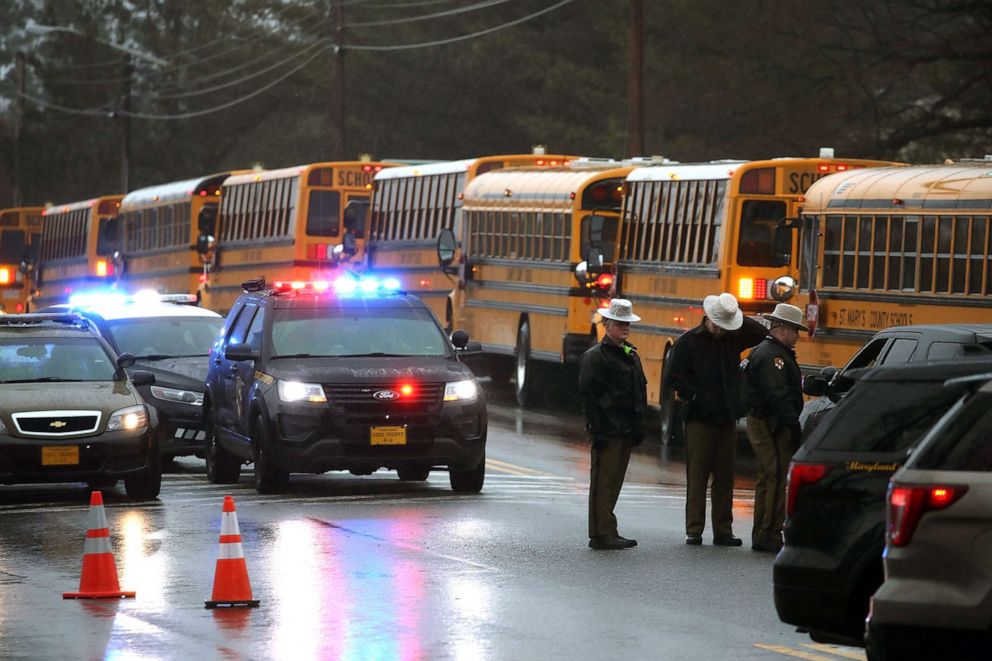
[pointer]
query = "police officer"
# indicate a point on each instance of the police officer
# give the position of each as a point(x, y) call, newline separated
point(704, 368)
point(614, 396)
point(774, 401)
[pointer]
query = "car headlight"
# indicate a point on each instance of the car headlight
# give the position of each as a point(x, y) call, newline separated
point(461, 391)
point(129, 419)
point(296, 391)
point(175, 395)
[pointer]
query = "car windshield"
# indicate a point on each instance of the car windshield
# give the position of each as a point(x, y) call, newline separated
point(54, 359)
point(964, 444)
point(886, 416)
point(165, 337)
point(356, 332)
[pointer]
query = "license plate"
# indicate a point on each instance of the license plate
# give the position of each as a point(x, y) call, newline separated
point(59, 455)
point(389, 436)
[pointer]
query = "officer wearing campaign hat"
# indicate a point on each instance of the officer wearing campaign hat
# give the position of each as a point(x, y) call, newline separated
point(703, 367)
point(614, 397)
point(774, 398)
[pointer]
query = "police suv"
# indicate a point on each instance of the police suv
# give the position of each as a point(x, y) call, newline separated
point(309, 377)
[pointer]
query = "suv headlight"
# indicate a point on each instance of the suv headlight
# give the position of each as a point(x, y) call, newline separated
point(190, 397)
point(296, 391)
point(461, 391)
point(130, 419)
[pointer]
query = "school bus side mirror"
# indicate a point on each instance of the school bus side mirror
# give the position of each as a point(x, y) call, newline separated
point(446, 248)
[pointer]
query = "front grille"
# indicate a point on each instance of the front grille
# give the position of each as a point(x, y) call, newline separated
point(56, 423)
point(363, 398)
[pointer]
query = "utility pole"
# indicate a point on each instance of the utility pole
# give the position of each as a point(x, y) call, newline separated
point(19, 74)
point(125, 118)
point(635, 81)
point(337, 88)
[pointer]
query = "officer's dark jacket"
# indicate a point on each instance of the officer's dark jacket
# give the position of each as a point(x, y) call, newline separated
point(613, 391)
point(705, 371)
point(774, 383)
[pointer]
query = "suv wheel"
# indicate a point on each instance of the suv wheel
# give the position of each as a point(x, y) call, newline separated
point(146, 483)
point(469, 480)
point(222, 466)
point(269, 478)
point(414, 474)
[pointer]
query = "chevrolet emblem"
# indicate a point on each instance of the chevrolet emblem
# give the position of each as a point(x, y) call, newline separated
point(58, 424)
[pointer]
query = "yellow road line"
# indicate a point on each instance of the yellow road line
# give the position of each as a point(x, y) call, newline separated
point(789, 651)
point(514, 469)
point(830, 649)
point(505, 468)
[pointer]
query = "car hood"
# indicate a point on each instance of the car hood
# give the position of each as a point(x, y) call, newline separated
point(186, 373)
point(106, 396)
point(370, 370)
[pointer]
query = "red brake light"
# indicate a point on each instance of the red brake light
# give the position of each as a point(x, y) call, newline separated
point(799, 475)
point(907, 505)
point(406, 390)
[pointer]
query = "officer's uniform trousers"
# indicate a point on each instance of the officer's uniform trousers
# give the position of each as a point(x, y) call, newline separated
point(607, 470)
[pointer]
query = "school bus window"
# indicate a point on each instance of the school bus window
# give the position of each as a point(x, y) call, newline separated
point(11, 246)
point(323, 216)
point(759, 220)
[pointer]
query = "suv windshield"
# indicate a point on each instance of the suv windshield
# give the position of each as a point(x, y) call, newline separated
point(886, 416)
point(965, 443)
point(356, 332)
point(165, 336)
point(54, 359)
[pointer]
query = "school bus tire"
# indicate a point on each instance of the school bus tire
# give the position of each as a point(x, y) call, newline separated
point(527, 386)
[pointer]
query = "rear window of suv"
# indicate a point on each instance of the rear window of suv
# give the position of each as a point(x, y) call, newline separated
point(965, 444)
point(886, 416)
point(343, 332)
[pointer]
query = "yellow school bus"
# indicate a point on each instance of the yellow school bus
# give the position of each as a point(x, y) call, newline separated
point(536, 248)
point(305, 222)
point(78, 247)
point(690, 230)
point(20, 237)
point(167, 234)
point(892, 247)
point(412, 205)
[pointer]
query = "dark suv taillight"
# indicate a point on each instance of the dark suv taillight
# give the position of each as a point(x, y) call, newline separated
point(799, 475)
point(907, 505)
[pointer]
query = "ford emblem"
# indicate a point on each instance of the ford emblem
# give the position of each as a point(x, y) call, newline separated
point(385, 395)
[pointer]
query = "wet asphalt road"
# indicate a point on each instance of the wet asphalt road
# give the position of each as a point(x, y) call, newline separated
point(373, 568)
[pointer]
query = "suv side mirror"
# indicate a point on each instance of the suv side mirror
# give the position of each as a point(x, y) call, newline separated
point(125, 360)
point(240, 352)
point(142, 378)
point(818, 385)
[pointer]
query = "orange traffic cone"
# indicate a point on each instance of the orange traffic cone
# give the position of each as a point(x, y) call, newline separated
point(231, 585)
point(99, 577)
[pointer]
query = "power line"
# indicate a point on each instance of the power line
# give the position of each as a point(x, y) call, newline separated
point(441, 42)
point(427, 17)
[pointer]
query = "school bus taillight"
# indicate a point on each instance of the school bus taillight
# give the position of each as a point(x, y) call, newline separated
point(745, 288)
point(604, 281)
point(4, 276)
point(104, 268)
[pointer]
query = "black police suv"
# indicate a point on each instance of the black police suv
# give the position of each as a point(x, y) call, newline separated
point(69, 412)
point(169, 336)
point(313, 377)
point(831, 563)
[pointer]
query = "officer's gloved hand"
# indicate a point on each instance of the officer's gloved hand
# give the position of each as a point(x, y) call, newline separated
point(598, 442)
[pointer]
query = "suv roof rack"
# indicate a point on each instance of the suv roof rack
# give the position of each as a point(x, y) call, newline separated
point(255, 284)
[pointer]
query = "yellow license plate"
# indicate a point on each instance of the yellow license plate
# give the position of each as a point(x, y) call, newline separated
point(59, 455)
point(389, 436)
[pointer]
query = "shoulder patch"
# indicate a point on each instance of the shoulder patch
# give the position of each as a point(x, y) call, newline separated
point(779, 363)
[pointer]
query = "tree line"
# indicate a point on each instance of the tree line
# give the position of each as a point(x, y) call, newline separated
point(444, 79)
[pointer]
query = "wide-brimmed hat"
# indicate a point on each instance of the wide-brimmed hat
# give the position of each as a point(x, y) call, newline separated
point(789, 315)
point(620, 310)
point(723, 311)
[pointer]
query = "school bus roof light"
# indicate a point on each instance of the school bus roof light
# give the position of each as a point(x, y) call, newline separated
point(745, 288)
point(823, 167)
point(760, 181)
